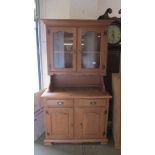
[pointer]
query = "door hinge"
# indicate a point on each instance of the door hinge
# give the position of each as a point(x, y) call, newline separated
point(105, 33)
point(103, 133)
point(103, 66)
point(50, 65)
point(48, 133)
point(105, 112)
point(48, 31)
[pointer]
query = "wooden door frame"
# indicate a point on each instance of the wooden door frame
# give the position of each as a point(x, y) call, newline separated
point(70, 127)
point(50, 52)
point(102, 122)
point(102, 60)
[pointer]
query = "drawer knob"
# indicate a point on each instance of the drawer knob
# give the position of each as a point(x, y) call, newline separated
point(60, 103)
point(48, 133)
point(93, 102)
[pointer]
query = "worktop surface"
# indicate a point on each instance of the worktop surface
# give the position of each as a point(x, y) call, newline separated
point(64, 93)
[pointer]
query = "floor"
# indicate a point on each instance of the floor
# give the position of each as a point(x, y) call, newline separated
point(74, 149)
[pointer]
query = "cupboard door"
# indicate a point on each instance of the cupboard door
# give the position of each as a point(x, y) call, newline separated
point(60, 123)
point(91, 49)
point(61, 49)
point(92, 122)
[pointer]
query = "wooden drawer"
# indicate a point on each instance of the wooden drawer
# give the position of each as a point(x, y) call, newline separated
point(91, 102)
point(60, 103)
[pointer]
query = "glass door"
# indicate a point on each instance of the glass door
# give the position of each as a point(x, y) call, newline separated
point(90, 51)
point(62, 47)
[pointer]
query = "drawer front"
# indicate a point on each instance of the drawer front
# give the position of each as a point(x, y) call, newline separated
point(60, 103)
point(91, 102)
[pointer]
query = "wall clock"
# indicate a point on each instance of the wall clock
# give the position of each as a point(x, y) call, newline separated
point(114, 33)
point(114, 30)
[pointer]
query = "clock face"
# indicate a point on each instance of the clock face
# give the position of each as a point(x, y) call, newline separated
point(114, 34)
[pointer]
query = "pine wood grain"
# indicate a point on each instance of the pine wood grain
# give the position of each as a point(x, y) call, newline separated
point(68, 93)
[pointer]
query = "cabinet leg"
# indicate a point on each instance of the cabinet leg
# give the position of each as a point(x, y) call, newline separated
point(117, 147)
point(47, 143)
point(104, 142)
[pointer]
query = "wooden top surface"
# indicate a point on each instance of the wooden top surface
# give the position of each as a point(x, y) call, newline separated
point(68, 93)
point(76, 22)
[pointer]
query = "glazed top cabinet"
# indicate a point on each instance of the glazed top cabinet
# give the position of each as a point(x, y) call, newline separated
point(77, 45)
point(76, 102)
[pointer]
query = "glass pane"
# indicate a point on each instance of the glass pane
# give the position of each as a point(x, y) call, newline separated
point(63, 49)
point(90, 49)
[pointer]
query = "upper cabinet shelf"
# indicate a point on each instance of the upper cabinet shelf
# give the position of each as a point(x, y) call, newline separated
point(77, 45)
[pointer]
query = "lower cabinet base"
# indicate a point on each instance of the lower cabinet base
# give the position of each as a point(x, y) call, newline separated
point(117, 147)
point(50, 141)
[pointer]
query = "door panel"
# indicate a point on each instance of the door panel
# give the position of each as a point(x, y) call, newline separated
point(90, 50)
point(62, 49)
point(61, 123)
point(91, 122)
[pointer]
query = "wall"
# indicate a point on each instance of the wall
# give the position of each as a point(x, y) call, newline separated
point(71, 9)
point(91, 9)
point(78, 9)
point(58, 9)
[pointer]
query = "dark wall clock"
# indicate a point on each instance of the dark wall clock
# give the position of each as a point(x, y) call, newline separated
point(114, 47)
point(114, 33)
point(114, 30)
